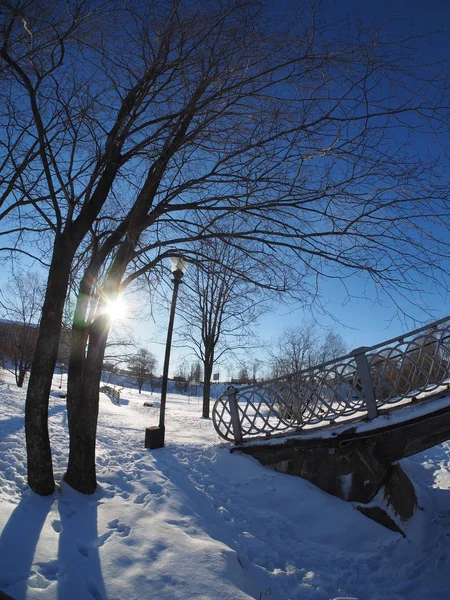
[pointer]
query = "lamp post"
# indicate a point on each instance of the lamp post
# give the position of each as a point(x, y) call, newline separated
point(61, 366)
point(154, 436)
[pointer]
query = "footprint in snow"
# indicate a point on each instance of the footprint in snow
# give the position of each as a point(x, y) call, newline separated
point(83, 549)
point(155, 551)
point(57, 526)
point(38, 582)
point(122, 530)
point(49, 570)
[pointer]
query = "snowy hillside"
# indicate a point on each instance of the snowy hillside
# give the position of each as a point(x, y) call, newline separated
point(193, 521)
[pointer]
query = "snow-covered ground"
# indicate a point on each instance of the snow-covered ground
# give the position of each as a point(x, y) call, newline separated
point(193, 521)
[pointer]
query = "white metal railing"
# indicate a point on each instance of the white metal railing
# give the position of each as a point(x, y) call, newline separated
point(354, 385)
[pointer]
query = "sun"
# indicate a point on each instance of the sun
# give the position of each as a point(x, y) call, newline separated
point(116, 309)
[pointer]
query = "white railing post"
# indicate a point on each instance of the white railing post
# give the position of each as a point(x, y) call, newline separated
point(366, 381)
point(235, 423)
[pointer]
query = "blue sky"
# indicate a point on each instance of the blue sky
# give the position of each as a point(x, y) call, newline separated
point(359, 321)
point(369, 321)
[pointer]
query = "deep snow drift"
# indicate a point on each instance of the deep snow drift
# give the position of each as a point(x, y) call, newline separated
point(192, 520)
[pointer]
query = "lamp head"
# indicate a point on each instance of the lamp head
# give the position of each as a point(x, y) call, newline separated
point(178, 266)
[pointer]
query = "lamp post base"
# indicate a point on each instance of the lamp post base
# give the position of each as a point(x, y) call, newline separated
point(154, 437)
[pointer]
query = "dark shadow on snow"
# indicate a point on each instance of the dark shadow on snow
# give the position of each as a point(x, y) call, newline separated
point(76, 568)
point(78, 551)
point(10, 426)
point(202, 510)
point(18, 542)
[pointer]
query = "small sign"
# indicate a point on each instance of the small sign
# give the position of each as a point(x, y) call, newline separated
point(216, 377)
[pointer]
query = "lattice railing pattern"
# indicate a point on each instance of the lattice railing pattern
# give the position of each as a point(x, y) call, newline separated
point(354, 385)
point(410, 366)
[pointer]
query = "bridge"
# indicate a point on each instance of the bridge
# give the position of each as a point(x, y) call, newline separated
point(344, 424)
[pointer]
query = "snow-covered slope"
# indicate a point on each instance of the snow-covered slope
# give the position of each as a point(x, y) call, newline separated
point(193, 521)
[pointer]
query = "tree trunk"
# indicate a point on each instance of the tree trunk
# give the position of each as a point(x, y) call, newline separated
point(208, 368)
point(85, 370)
point(21, 377)
point(16, 373)
point(40, 470)
point(83, 388)
point(82, 408)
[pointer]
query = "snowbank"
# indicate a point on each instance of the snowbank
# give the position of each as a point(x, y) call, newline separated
point(192, 520)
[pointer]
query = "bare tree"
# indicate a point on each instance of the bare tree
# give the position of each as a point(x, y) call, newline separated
point(333, 346)
point(196, 372)
point(66, 177)
point(21, 303)
point(296, 349)
point(255, 364)
point(142, 367)
point(212, 111)
point(305, 346)
point(217, 309)
point(243, 376)
point(248, 367)
point(181, 378)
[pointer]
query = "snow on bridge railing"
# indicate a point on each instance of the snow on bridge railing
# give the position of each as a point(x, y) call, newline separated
point(354, 385)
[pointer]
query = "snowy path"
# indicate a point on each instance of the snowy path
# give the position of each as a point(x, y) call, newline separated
point(193, 521)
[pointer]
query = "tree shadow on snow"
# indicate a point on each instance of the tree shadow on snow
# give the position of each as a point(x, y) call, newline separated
point(76, 569)
point(199, 506)
point(13, 424)
point(18, 542)
point(79, 543)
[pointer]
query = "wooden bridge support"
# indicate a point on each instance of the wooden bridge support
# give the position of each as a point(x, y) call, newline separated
point(357, 466)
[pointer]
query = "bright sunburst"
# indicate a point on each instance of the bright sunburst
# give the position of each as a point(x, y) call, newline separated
point(116, 309)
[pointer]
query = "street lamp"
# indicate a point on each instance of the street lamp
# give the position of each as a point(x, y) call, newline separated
point(154, 436)
point(61, 367)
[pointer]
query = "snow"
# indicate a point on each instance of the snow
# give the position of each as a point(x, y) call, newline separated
point(193, 521)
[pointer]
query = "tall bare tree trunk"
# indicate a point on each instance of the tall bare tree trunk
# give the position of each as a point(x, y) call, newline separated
point(40, 470)
point(20, 377)
point(82, 407)
point(84, 376)
point(207, 368)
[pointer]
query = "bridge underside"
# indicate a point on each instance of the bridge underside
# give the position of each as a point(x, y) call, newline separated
point(354, 465)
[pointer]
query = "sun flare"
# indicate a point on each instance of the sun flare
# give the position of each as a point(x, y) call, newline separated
point(116, 309)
